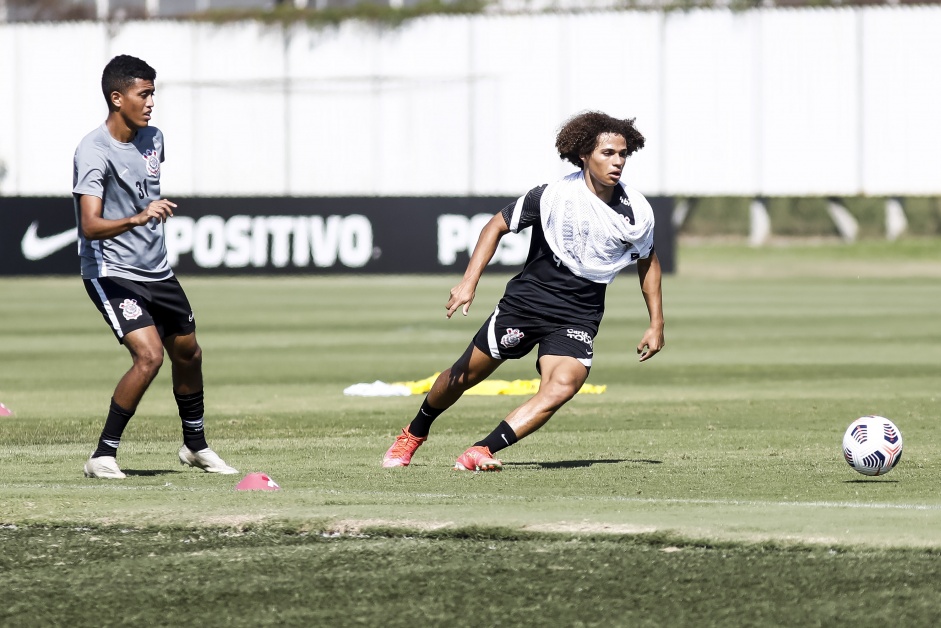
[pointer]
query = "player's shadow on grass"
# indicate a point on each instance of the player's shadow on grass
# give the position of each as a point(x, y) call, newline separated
point(148, 472)
point(574, 464)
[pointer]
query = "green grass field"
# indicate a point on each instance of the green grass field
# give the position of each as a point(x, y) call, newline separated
point(705, 487)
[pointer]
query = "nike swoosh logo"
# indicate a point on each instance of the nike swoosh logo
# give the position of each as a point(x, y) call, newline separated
point(36, 248)
point(122, 172)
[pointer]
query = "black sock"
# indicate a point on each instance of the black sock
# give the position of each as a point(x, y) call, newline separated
point(500, 438)
point(191, 414)
point(110, 438)
point(421, 424)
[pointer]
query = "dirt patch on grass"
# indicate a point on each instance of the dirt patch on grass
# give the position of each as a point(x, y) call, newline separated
point(356, 527)
point(233, 521)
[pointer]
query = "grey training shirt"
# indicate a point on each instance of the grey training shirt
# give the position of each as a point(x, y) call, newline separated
point(126, 177)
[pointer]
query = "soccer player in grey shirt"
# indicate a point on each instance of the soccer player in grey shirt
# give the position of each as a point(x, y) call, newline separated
point(120, 217)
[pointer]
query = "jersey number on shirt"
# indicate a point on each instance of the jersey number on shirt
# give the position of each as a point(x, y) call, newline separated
point(141, 189)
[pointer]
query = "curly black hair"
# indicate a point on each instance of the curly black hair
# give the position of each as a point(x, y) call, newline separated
point(121, 72)
point(579, 135)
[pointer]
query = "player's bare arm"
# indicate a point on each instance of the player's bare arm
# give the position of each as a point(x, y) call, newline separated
point(462, 295)
point(96, 227)
point(648, 271)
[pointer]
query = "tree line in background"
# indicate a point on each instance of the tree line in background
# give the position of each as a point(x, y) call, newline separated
point(319, 11)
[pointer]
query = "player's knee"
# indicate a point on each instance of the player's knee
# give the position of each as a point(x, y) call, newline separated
point(557, 392)
point(149, 362)
point(188, 354)
point(455, 379)
point(463, 381)
point(191, 356)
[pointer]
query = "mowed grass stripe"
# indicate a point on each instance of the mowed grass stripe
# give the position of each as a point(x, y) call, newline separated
point(269, 578)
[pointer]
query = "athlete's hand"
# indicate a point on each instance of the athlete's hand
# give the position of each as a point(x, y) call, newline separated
point(651, 344)
point(159, 210)
point(462, 295)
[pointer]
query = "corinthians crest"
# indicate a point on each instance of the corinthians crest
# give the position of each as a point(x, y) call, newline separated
point(131, 309)
point(153, 162)
point(511, 338)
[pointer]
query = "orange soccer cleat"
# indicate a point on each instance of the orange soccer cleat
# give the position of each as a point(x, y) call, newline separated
point(477, 458)
point(401, 452)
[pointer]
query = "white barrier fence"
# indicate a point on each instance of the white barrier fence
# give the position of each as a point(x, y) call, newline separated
point(764, 102)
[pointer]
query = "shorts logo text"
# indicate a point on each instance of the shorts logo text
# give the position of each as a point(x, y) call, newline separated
point(580, 335)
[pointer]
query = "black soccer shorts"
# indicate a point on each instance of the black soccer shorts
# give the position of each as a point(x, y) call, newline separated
point(510, 336)
point(128, 305)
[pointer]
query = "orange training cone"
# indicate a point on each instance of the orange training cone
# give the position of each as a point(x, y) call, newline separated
point(5, 411)
point(257, 482)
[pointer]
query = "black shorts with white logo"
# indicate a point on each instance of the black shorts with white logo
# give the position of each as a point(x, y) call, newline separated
point(510, 336)
point(128, 305)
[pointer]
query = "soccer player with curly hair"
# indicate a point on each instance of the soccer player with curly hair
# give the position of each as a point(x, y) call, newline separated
point(122, 247)
point(586, 228)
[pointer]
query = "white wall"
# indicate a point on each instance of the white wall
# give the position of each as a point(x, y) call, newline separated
point(765, 102)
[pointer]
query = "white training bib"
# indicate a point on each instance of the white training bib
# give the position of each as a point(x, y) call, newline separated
point(588, 237)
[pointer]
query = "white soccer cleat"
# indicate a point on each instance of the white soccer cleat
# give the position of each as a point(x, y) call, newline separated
point(103, 467)
point(205, 459)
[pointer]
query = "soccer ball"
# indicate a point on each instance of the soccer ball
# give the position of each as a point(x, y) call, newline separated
point(872, 445)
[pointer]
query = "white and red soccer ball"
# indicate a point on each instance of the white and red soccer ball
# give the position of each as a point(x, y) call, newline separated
point(872, 445)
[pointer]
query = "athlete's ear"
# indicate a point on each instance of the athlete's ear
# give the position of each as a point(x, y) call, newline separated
point(116, 98)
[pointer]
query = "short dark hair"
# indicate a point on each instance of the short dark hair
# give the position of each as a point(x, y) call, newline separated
point(121, 72)
point(579, 135)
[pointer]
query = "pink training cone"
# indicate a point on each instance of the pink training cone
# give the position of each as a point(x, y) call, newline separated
point(5, 411)
point(257, 482)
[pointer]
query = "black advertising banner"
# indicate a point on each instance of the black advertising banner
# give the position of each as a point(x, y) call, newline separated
point(293, 235)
